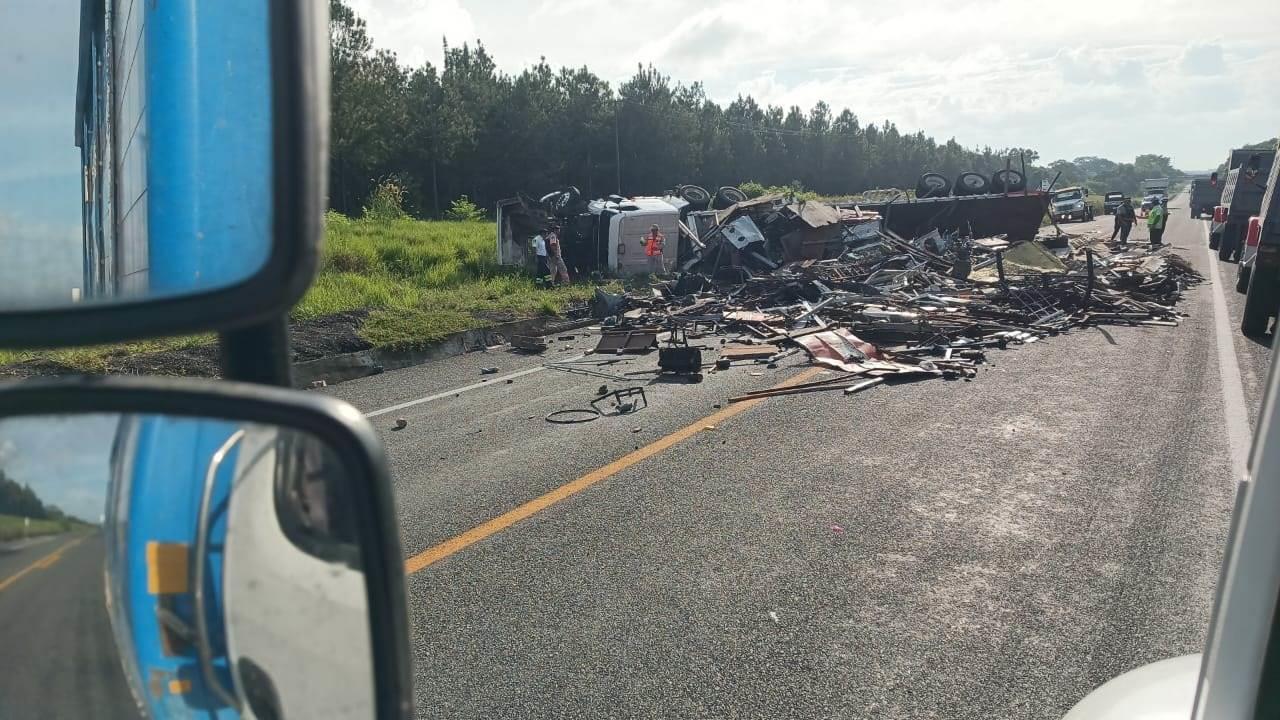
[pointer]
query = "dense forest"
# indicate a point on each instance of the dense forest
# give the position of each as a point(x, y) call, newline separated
point(466, 128)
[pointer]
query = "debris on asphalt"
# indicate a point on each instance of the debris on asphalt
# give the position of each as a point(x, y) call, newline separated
point(530, 344)
point(770, 279)
point(489, 371)
point(401, 423)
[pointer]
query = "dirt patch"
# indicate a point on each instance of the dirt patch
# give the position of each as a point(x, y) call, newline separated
point(310, 340)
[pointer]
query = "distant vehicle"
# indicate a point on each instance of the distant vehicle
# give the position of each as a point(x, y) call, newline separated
point(1148, 202)
point(1156, 186)
point(1071, 203)
point(1205, 194)
point(1111, 201)
point(1242, 199)
point(1262, 274)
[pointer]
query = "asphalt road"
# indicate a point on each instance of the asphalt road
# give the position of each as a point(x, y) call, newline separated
point(994, 548)
point(56, 648)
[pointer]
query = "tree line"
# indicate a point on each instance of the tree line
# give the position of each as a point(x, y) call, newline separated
point(20, 500)
point(466, 128)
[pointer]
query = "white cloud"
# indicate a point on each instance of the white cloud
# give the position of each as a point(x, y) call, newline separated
point(416, 29)
point(1104, 78)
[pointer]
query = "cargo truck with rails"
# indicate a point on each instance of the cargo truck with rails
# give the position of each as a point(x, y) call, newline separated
point(1262, 298)
point(1241, 199)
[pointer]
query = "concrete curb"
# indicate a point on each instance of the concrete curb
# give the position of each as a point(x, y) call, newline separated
point(349, 366)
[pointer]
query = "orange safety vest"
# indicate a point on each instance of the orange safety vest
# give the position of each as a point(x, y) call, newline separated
point(653, 245)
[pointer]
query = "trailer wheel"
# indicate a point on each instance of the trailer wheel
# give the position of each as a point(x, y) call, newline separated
point(728, 196)
point(1226, 244)
point(1242, 278)
point(1008, 180)
point(970, 183)
point(697, 197)
point(1258, 306)
point(932, 184)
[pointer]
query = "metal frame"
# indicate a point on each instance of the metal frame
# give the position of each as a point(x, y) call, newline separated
point(330, 420)
point(300, 141)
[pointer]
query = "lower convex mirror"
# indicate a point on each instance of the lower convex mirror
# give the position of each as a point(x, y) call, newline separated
point(235, 574)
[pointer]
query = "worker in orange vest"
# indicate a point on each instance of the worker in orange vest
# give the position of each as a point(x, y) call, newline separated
point(654, 243)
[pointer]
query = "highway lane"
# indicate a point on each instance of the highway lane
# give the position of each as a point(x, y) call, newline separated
point(59, 655)
point(994, 548)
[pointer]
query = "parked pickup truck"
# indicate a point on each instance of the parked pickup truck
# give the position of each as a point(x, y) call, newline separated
point(1262, 273)
point(1071, 203)
point(1205, 194)
point(1111, 201)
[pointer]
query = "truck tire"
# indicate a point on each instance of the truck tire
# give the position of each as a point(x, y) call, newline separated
point(728, 196)
point(1214, 239)
point(932, 184)
point(1226, 244)
point(697, 197)
point(1008, 180)
point(1242, 278)
point(970, 183)
point(1258, 305)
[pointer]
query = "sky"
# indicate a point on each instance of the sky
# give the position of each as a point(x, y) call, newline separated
point(64, 458)
point(40, 239)
point(1183, 79)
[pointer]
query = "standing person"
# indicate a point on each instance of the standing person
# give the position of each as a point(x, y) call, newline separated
point(654, 243)
point(555, 259)
point(540, 251)
point(1155, 223)
point(1125, 218)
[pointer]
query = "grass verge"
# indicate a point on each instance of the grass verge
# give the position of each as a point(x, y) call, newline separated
point(11, 527)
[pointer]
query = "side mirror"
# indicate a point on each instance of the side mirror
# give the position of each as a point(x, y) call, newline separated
point(165, 166)
point(246, 535)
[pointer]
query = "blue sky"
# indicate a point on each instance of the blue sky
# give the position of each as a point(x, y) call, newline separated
point(64, 458)
point(40, 246)
point(1184, 79)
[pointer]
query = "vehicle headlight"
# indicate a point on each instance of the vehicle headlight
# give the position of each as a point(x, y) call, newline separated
point(1079, 205)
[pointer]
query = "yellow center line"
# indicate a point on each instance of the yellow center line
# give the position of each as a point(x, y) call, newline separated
point(511, 517)
point(42, 563)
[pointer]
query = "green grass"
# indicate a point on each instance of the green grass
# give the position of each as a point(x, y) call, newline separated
point(11, 527)
point(422, 281)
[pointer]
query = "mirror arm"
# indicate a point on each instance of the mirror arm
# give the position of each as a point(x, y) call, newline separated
point(203, 646)
point(179, 627)
point(258, 353)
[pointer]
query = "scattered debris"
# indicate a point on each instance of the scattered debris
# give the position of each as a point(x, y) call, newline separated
point(489, 371)
point(573, 416)
point(401, 423)
point(625, 400)
point(315, 384)
point(526, 343)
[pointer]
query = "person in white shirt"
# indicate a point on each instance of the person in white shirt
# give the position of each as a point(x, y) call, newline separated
point(540, 250)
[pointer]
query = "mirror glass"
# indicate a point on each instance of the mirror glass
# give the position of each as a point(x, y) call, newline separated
point(179, 566)
point(135, 154)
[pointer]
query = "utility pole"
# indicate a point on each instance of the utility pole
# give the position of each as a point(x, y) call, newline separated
point(617, 146)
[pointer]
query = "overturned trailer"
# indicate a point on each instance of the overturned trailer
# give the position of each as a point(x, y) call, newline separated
point(1015, 215)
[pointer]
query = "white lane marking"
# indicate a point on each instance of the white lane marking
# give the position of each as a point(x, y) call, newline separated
point(1239, 436)
point(468, 388)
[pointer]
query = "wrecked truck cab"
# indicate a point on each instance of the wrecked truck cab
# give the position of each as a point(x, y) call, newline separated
point(608, 237)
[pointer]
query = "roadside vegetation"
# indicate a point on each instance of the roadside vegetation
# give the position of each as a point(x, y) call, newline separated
point(420, 281)
point(11, 527)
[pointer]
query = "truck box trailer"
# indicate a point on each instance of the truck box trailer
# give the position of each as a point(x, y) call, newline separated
point(1242, 198)
point(1262, 298)
point(1205, 194)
